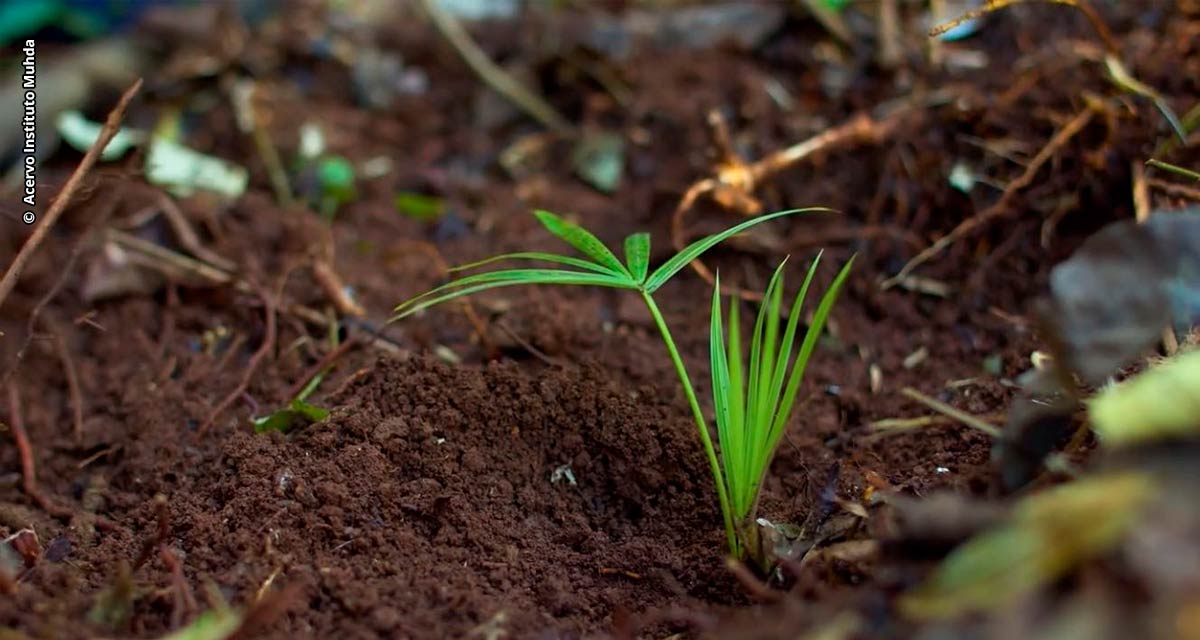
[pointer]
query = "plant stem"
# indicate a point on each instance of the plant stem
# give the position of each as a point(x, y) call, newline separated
point(701, 424)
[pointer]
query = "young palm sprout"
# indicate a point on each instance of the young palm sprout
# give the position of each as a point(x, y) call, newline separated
point(749, 423)
point(753, 400)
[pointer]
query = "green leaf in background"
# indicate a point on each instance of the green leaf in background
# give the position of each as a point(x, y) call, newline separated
point(337, 178)
point(215, 624)
point(600, 160)
point(1049, 534)
point(419, 206)
point(297, 413)
point(1158, 404)
point(81, 134)
point(184, 171)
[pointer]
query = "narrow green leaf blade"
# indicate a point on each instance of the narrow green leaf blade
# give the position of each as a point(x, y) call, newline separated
point(581, 239)
point(637, 255)
point(541, 257)
point(806, 349)
point(737, 398)
point(721, 388)
point(506, 278)
point(696, 249)
point(789, 334)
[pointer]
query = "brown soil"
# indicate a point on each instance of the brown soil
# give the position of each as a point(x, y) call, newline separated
point(434, 501)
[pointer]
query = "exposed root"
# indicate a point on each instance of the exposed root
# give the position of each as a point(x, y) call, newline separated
point(736, 180)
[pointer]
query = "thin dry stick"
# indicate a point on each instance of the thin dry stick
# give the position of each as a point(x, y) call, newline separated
point(1173, 189)
point(468, 308)
point(68, 365)
point(1117, 72)
point(59, 205)
point(265, 611)
point(1141, 193)
point(255, 360)
point(947, 410)
point(161, 532)
point(331, 283)
point(177, 265)
point(67, 268)
point(185, 601)
point(995, 5)
point(25, 452)
point(187, 235)
point(326, 361)
point(1000, 207)
point(492, 74)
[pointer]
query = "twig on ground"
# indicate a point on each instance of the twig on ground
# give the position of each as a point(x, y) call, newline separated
point(187, 269)
point(35, 315)
point(161, 532)
point(59, 205)
point(187, 235)
point(325, 362)
point(1141, 193)
point(251, 122)
point(331, 284)
point(491, 73)
point(28, 463)
point(961, 416)
point(481, 327)
point(1000, 207)
point(526, 345)
point(185, 600)
point(1118, 73)
point(1097, 23)
point(72, 375)
point(895, 426)
point(266, 610)
point(1173, 189)
point(268, 343)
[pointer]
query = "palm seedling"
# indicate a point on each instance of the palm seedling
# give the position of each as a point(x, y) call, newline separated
point(750, 421)
point(754, 399)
